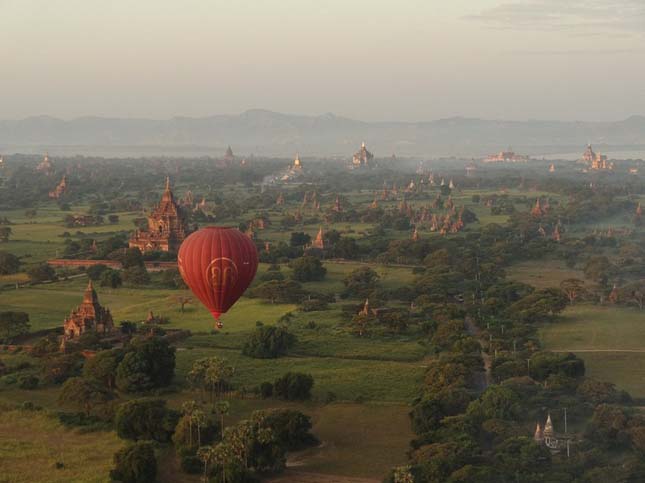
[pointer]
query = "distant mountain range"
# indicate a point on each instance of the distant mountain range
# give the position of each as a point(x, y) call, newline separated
point(262, 132)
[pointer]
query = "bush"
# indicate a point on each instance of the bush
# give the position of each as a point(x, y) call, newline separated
point(135, 464)
point(149, 363)
point(111, 278)
point(9, 263)
point(266, 390)
point(145, 420)
point(136, 275)
point(268, 343)
point(293, 386)
point(41, 273)
point(307, 269)
point(28, 382)
point(95, 271)
point(314, 305)
point(291, 428)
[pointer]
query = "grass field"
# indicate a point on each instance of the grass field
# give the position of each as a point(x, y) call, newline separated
point(542, 273)
point(598, 334)
point(48, 305)
point(32, 442)
point(348, 379)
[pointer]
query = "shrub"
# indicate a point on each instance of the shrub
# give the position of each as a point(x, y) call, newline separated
point(149, 363)
point(135, 464)
point(268, 342)
point(294, 386)
point(95, 271)
point(111, 278)
point(291, 428)
point(41, 273)
point(145, 420)
point(266, 390)
point(307, 269)
point(28, 382)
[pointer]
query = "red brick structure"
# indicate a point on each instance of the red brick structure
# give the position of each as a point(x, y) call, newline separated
point(60, 189)
point(166, 227)
point(90, 316)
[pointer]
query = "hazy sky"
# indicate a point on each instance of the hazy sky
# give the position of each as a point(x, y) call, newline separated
point(365, 59)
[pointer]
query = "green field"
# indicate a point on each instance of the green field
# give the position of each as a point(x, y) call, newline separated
point(609, 340)
point(542, 273)
point(49, 304)
point(31, 443)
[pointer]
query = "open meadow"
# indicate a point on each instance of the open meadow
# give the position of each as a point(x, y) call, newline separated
point(609, 340)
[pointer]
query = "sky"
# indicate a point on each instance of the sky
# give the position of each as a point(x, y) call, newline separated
point(374, 60)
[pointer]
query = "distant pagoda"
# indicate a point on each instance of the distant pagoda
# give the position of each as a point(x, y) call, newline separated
point(319, 242)
point(45, 165)
point(60, 189)
point(362, 158)
point(166, 226)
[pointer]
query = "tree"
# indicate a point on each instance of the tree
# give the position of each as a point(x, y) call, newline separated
point(111, 278)
point(497, 402)
point(136, 275)
point(9, 263)
point(268, 342)
point(294, 386)
point(291, 428)
point(182, 301)
point(598, 268)
point(222, 408)
point(13, 324)
point(283, 292)
point(210, 373)
point(194, 429)
point(41, 273)
point(172, 279)
point(573, 288)
point(132, 258)
point(360, 282)
point(83, 394)
point(5, 233)
point(299, 239)
point(541, 305)
point(94, 272)
point(543, 364)
point(135, 463)
point(102, 367)
point(307, 269)
point(145, 419)
point(148, 363)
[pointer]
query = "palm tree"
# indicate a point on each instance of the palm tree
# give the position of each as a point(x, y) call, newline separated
point(222, 408)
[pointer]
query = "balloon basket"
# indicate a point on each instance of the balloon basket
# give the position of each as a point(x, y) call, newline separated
point(219, 325)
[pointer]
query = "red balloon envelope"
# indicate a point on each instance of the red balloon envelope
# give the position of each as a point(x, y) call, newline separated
point(218, 264)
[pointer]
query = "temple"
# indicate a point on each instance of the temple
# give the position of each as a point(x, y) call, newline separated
point(229, 157)
point(319, 242)
point(548, 437)
point(508, 156)
point(297, 164)
point(166, 227)
point(90, 316)
point(60, 189)
point(596, 161)
point(362, 158)
point(45, 165)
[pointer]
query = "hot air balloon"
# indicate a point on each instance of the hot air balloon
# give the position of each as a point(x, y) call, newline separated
point(218, 264)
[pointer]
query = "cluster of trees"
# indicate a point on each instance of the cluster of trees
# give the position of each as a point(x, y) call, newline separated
point(268, 342)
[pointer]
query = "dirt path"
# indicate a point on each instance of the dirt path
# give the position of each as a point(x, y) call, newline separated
point(294, 476)
point(484, 379)
point(638, 351)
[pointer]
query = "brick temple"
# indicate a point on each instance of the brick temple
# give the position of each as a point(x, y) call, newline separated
point(166, 226)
